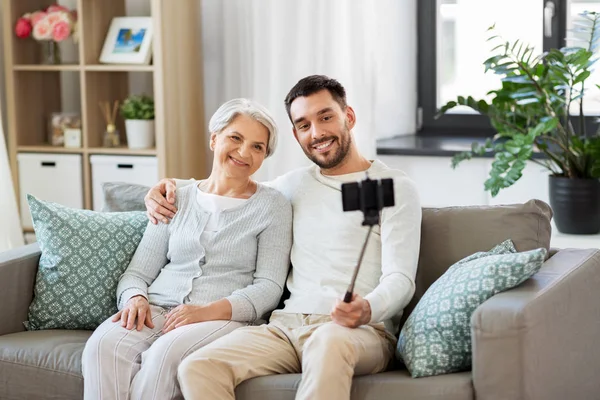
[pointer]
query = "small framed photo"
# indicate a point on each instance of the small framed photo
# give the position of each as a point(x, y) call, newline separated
point(73, 138)
point(128, 41)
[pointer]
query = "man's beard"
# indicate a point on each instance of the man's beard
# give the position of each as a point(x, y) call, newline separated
point(340, 153)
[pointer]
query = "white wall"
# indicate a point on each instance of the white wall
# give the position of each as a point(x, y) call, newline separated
point(441, 186)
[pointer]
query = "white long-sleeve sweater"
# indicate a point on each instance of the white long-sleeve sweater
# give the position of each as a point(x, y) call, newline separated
point(327, 243)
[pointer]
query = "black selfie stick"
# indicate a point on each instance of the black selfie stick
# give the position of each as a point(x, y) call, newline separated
point(369, 196)
point(348, 295)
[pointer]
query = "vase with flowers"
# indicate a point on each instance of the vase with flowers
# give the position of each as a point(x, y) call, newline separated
point(48, 26)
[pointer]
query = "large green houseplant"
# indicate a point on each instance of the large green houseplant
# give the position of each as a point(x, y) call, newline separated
point(531, 113)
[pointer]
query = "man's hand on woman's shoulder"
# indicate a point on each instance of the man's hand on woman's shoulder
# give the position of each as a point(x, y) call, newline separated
point(160, 201)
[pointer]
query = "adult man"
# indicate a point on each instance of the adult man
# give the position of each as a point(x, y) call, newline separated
point(316, 333)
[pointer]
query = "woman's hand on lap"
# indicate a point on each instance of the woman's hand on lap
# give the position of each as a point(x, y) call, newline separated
point(136, 313)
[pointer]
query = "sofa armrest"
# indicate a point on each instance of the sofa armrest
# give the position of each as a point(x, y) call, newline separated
point(540, 340)
point(18, 268)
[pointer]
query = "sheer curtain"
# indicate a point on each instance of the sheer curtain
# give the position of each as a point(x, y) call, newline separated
point(261, 48)
point(10, 227)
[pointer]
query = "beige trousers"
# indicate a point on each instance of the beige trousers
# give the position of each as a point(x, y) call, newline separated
point(121, 364)
point(327, 354)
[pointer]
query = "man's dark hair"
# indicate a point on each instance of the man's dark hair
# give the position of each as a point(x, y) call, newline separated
point(313, 84)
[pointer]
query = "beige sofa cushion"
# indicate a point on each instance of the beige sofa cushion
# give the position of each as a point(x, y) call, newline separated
point(386, 385)
point(47, 365)
point(42, 364)
point(452, 233)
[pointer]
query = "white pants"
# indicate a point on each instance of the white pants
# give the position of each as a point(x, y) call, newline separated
point(121, 364)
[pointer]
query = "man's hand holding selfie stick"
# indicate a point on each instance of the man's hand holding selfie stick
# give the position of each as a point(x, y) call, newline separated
point(369, 196)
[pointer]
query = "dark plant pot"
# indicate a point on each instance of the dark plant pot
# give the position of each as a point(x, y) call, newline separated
point(576, 205)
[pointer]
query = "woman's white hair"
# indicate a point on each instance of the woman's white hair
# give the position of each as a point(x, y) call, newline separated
point(231, 109)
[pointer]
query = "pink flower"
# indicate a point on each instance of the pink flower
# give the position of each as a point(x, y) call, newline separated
point(23, 28)
point(56, 7)
point(55, 16)
point(37, 17)
point(61, 31)
point(56, 23)
point(42, 30)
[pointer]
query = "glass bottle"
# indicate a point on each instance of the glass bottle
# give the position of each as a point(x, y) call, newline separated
point(111, 136)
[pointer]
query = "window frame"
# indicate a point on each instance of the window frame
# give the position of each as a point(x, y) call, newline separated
point(467, 125)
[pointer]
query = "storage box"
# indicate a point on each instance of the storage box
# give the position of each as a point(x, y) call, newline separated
point(50, 177)
point(141, 170)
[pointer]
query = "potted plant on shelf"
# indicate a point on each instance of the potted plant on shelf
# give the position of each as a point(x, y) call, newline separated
point(138, 112)
point(49, 26)
point(531, 112)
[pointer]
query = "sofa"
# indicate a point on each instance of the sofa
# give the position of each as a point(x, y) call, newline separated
point(539, 340)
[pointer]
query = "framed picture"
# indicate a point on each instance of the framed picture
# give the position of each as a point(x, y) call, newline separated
point(128, 41)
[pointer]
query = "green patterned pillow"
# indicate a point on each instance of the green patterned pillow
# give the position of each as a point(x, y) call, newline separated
point(436, 338)
point(83, 255)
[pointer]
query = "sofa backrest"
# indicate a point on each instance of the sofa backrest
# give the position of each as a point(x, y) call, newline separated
point(452, 233)
point(447, 234)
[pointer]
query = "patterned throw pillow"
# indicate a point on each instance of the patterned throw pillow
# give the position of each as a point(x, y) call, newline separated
point(436, 338)
point(83, 255)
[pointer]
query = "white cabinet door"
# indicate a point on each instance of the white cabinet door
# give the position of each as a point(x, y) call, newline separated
point(438, 184)
point(532, 185)
point(141, 170)
point(50, 177)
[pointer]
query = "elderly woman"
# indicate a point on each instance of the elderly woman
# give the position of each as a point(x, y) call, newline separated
point(219, 265)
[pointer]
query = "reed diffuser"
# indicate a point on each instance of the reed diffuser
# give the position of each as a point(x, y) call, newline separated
point(111, 134)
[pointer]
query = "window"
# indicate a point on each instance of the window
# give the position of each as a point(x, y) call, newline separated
point(591, 104)
point(453, 45)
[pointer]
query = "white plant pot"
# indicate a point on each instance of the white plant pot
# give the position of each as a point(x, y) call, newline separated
point(140, 133)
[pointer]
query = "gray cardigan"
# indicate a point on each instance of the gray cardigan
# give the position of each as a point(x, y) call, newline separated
point(246, 261)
